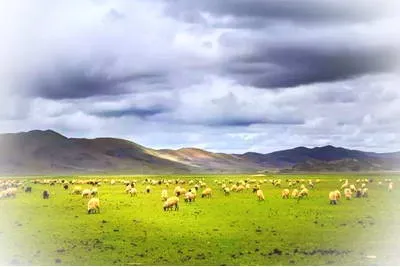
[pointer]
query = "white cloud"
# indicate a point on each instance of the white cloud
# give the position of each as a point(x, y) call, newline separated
point(182, 97)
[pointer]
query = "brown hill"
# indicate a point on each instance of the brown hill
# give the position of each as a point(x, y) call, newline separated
point(48, 152)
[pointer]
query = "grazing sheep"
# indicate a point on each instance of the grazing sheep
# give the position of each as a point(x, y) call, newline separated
point(363, 185)
point(338, 195)
point(190, 197)
point(28, 189)
point(240, 188)
point(193, 190)
point(364, 192)
point(86, 193)
point(390, 187)
point(333, 197)
point(285, 193)
point(358, 193)
point(128, 188)
point(77, 190)
point(93, 192)
point(177, 191)
point(303, 193)
point(260, 195)
point(206, 192)
point(66, 186)
point(171, 202)
point(347, 193)
point(148, 189)
point(93, 205)
point(164, 195)
point(46, 194)
point(295, 193)
point(227, 191)
point(133, 192)
point(10, 192)
point(234, 187)
point(255, 188)
point(353, 188)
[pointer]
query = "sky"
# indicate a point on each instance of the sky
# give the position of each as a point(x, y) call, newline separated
point(223, 75)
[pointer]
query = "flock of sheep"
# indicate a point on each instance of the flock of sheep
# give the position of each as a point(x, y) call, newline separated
point(297, 189)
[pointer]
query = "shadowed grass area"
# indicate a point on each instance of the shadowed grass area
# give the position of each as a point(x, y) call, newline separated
point(223, 230)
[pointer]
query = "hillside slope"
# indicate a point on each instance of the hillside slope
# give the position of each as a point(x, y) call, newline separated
point(48, 152)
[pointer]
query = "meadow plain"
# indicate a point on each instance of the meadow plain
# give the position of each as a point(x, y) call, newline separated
point(234, 229)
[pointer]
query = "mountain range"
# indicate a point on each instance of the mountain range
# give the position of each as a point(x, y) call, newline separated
point(48, 152)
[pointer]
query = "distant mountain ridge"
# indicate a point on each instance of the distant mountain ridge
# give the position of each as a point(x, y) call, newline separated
point(48, 152)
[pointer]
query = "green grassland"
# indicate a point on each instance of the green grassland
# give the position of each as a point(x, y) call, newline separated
point(223, 230)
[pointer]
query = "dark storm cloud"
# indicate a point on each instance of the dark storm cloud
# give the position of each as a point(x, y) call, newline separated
point(276, 67)
point(255, 13)
point(79, 83)
point(244, 122)
point(141, 112)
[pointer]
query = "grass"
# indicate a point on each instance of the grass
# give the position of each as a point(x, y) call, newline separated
point(222, 230)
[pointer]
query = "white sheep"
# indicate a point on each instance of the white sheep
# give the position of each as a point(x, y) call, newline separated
point(338, 195)
point(171, 202)
point(77, 190)
point(227, 191)
point(364, 192)
point(303, 193)
point(190, 197)
point(390, 186)
point(295, 193)
point(11, 192)
point(353, 188)
point(260, 194)
point(133, 191)
point(333, 197)
point(234, 187)
point(93, 205)
point(347, 193)
point(86, 193)
point(240, 188)
point(128, 188)
point(148, 189)
point(94, 192)
point(164, 195)
point(285, 193)
point(206, 192)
